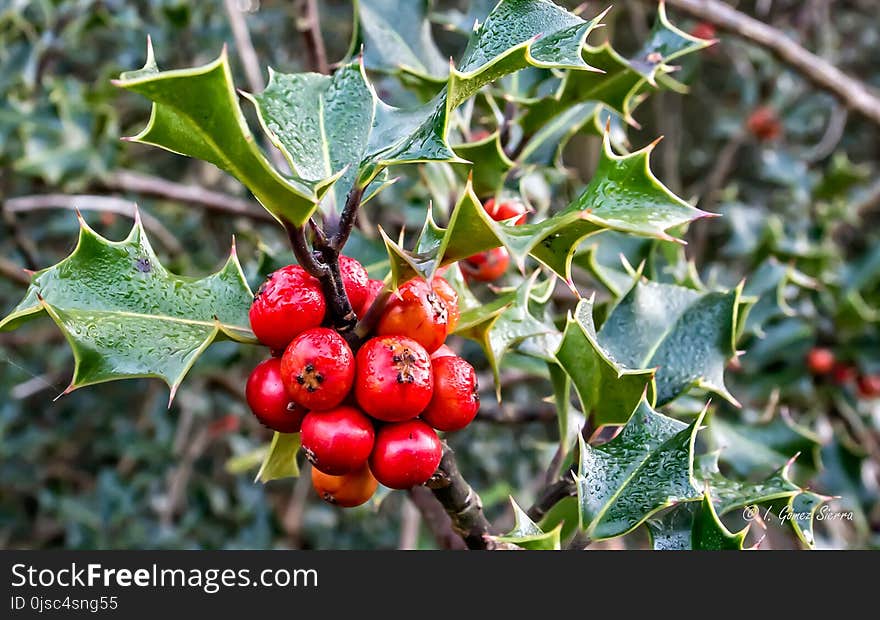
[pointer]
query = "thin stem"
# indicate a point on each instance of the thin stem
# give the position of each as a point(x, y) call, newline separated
point(348, 218)
point(551, 495)
point(310, 26)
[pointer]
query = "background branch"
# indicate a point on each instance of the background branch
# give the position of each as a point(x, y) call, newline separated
point(854, 93)
point(309, 24)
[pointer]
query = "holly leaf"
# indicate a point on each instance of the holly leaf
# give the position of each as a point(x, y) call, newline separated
point(280, 459)
point(729, 494)
point(688, 336)
point(767, 287)
point(607, 390)
point(646, 468)
point(490, 166)
point(396, 38)
point(126, 316)
point(799, 512)
point(694, 526)
point(613, 259)
point(528, 535)
point(196, 113)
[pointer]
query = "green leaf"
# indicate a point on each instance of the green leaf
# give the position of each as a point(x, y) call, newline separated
point(646, 468)
point(729, 494)
point(767, 286)
point(693, 526)
point(688, 336)
point(799, 512)
point(490, 166)
point(396, 37)
point(570, 420)
point(280, 459)
point(528, 535)
point(607, 390)
point(613, 258)
point(125, 315)
point(196, 113)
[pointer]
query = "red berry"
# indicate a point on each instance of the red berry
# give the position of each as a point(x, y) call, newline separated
point(843, 373)
point(287, 303)
point(394, 379)
point(820, 361)
point(349, 490)
point(337, 441)
point(443, 351)
point(501, 211)
point(444, 291)
point(456, 396)
point(417, 312)
point(374, 287)
point(355, 280)
point(868, 386)
point(318, 369)
point(704, 30)
point(486, 266)
point(269, 400)
point(764, 124)
point(479, 135)
point(406, 454)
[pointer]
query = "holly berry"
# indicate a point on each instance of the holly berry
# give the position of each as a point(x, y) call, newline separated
point(355, 280)
point(289, 302)
point(764, 123)
point(444, 291)
point(337, 441)
point(868, 386)
point(417, 312)
point(843, 373)
point(349, 490)
point(443, 351)
point(456, 396)
point(704, 30)
point(318, 369)
point(374, 287)
point(406, 454)
point(486, 266)
point(394, 381)
point(479, 135)
point(268, 399)
point(501, 211)
point(820, 360)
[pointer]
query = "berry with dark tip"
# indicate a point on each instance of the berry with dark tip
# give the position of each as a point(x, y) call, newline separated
point(417, 312)
point(288, 303)
point(318, 369)
point(268, 398)
point(346, 491)
point(394, 380)
point(456, 397)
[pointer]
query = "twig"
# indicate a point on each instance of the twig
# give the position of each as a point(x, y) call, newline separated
point(551, 495)
point(852, 92)
point(25, 245)
point(245, 47)
point(309, 24)
point(347, 218)
point(410, 519)
point(292, 520)
point(436, 519)
point(461, 503)
point(128, 181)
point(11, 271)
point(830, 138)
point(101, 204)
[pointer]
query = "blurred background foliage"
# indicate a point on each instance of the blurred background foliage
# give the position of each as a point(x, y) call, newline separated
point(113, 467)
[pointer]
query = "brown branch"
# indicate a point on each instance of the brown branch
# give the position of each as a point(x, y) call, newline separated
point(436, 519)
point(135, 182)
point(309, 24)
point(461, 502)
point(101, 204)
point(551, 495)
point(245, 47)
point(852, 92)
point(14, 272)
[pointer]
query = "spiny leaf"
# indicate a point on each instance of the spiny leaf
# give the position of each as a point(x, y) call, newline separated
point(280, 459)
point(646, 468)
point(766, 287)
point(196, 113)
point(125, 315)
point(688, 336)
point(491, 164)
point(693, 526)
point(729, 494)
point(528, 535)
point(613, 258)
point(608, 391)
point(570, 420)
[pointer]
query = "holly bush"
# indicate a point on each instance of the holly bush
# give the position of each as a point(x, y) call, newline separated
point(652, 375)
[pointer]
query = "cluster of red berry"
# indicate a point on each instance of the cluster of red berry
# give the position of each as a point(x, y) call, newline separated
point(490, 265)
point(369, 416)
point(822, 362)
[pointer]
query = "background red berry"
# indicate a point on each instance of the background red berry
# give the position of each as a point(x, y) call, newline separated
point(268, 398)
point(417, 312)
point(456, 399)
point(868, 386)
point(406, 454)
point(318, 369)
point(348, 490)
point(355, 280)
point(486, 266)
point(394, 379)
point(289, 302)
point(506, 209)
point(764, 123)
point(820, 360)
point(843, 373)
point(337, 441)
